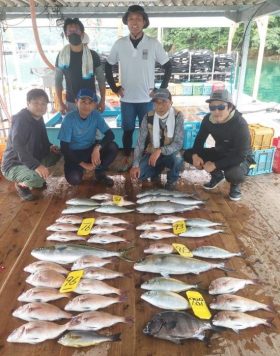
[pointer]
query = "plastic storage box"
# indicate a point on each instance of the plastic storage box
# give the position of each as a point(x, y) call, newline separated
point(191, 129)
point(261, 136)
point(187, 88)
point(198, 88)
point(264, 161)
point(207, 89)
point(276, 162)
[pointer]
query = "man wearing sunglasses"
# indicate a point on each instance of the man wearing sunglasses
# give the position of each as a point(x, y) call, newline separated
point(231, 157)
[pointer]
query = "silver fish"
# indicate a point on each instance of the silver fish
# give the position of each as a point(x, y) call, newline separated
point(40, 311)
point(167, 284)
point(102, 196)
point(91, 302)
point(96, 287)
point(174, 264)
point(156, 235)
point(200, 232)
point(162, 192)
point(86, 338)
point(237, 320)
point(101, 273)
point(109, 229)
point(176, 327)
point(159, 248)
point(42, 265)
point(151, 225)
point(95, 320)
point(113, 209)
point(46, 278)
point(226, 285)
point(162, 208)
point(62, 227)
point(82, 201)
point(105, 239)
point(122, 203)
point(41, 294)
point(69, 219)
point(187, 201)
point(64, 254)
point(165, 300)
point(36, 331)
point(169, 219)
point(213, 252)
point(78, 209)
point(90, 261)
point(109, 220)
point(191, 222)
point(65, 236)
point(237, 303)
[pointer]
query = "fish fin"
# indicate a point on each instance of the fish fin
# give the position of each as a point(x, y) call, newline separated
point(226, 269)
point(116, 337)
point(166, 275)
point(270, 308)
point(236, 331)
point(171, 325)
point(269, 323)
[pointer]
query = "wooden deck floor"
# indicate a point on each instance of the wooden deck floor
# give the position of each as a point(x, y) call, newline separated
point(252, 226)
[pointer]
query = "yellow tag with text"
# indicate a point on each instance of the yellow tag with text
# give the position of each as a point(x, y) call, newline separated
point(179, 227)
point(71, 282)
point(198, 305)
point(86, 226)
point(182, 250)
point(117, 199)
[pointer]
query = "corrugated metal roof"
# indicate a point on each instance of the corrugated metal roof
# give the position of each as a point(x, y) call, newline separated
point(237, 10)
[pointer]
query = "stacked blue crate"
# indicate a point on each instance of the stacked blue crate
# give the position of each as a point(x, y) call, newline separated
point(191, 129)
point(264, 161)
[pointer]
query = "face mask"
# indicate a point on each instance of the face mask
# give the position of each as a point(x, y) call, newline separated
point(74, 39)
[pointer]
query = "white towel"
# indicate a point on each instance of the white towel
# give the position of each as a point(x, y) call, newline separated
point(87, 62)
point(170, 123)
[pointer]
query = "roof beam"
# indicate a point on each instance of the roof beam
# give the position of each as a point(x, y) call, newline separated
point(269, 7)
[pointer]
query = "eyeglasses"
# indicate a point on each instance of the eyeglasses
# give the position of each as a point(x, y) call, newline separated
point(217, 107)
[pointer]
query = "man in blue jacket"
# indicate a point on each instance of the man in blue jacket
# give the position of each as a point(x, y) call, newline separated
point(29, 152)
point(78, 141)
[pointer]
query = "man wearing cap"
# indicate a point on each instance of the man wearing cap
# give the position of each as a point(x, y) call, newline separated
point(78, 144)
point(159, 143)
point(79, 65)
point(231, 157)
point(137, 55)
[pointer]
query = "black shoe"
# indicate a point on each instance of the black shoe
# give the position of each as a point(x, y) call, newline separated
point(170, 186)
point(105, 180)
point(24, 193)
point(234, 193)
point(216, 179)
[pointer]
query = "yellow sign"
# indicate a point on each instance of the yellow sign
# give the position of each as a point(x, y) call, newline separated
point(86, 226)
point(117, 199)
point(71, 282)
point(198, 305)
point(182, 250)
point(179, 227)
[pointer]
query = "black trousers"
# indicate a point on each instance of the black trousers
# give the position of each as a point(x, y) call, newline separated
point(74, 172)
point(235, 174)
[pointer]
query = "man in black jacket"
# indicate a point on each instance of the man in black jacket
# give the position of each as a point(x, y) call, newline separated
point(231, 157)
point(29, 152)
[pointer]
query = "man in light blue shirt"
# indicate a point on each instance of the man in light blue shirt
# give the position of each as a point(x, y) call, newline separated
point(78, 141)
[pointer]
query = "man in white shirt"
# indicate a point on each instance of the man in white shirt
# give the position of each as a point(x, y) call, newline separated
point(137, 55)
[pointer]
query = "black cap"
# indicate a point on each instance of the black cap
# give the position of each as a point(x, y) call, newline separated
point(140, 10)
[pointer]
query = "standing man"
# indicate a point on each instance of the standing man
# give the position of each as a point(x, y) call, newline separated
point(29, 152)
point(78, 141)
point(159, 143)
point(137, 55)
point(231, 157)
point(79, 65)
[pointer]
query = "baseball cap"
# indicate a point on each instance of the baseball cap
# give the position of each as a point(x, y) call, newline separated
point(87, 93)
point(162, 94)
point(221, 95)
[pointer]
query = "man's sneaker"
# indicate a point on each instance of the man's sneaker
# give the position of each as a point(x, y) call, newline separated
point(234, 193)
point(24, 193)
point(105, 180)
point(216, 179)
point(170, 186)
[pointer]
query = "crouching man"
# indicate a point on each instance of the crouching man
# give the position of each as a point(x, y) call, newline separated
point(29, 152)
point(78, 144)
point(231, 157)
point(159, 143)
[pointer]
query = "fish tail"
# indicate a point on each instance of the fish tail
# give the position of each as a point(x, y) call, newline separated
point(124, 253)
point(123, 297)
point(129, 319)
point(225, 268)
point(115, 337)
point(268, 322)
point(269, 308)
point(256, 281)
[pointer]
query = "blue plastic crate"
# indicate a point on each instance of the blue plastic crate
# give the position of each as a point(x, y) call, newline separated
point(207, 89)
point(264, 161)
point(191, 129)
point(187, 88)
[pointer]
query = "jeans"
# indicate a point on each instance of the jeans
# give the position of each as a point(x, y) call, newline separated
point(74, 172)
point(173, 162)
point(235, 174)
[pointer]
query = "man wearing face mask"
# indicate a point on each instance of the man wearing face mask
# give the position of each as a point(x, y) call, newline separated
point(79, 65)
point(231, 157)
point(137, 55)
point(159, 143)
point(29, 152)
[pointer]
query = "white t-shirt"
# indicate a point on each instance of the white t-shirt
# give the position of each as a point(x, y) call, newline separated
point(137, 66)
